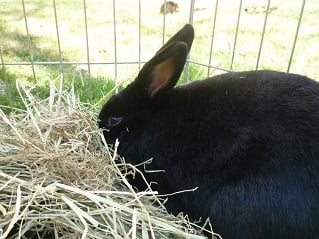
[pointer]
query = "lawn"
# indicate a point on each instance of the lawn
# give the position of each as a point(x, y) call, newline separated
point(133, 46)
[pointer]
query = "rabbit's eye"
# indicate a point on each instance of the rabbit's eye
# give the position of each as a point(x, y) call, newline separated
point(114, 120)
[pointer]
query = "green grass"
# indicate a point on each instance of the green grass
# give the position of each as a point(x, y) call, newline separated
point(275, 53)
point(9, 96)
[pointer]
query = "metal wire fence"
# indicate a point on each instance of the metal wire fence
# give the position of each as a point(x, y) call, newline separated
point(231, 35)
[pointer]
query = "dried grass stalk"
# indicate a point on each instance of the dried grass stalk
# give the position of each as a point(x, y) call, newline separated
point(59, 180)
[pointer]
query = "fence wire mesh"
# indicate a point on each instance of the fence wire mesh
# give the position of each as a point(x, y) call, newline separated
point(114, 38)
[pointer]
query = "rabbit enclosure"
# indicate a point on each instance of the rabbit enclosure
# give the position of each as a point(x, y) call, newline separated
point(61, 60)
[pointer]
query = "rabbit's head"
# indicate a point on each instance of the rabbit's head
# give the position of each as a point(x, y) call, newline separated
point(157, 77)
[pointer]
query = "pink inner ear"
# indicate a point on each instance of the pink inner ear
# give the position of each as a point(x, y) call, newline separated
point(161, 75)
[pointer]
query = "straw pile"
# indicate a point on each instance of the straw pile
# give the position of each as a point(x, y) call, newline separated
point(58, 179)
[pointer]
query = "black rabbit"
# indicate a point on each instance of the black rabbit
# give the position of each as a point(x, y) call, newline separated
point(248, 142)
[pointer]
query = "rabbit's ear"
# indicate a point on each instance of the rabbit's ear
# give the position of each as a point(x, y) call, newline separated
point(186, 34)
point(164, 69)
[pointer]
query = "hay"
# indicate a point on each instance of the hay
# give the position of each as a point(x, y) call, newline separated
point(59, 180)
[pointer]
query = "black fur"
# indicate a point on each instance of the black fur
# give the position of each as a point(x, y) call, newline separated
point(248, 140)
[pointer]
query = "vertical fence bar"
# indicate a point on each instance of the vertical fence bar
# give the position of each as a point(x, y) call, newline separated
point(164, 23)
point(296, 35)
point(236, 35)
point(58, 40)
point(29, 41)
point(191, 12)
point(139, 33)
point(191, 20)
point(115, 43)
point(263, 35)
point(87, 50)
point(212, 41)
point(5, 78)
